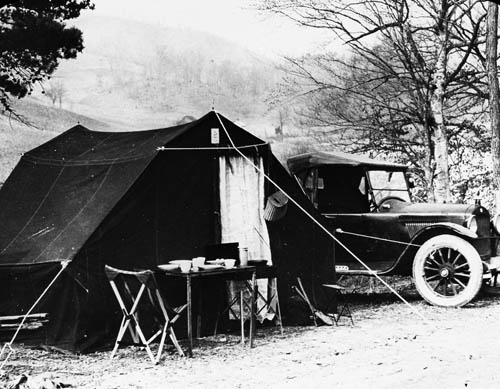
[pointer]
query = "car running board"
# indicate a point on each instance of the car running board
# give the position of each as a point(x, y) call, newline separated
point(344, 270)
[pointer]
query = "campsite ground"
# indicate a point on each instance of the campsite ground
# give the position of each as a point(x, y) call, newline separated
point(390, 346)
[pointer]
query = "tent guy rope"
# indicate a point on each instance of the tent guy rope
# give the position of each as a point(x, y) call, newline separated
point(163, 148)
point(371, 271)
point(7, 348)
point(341, 231)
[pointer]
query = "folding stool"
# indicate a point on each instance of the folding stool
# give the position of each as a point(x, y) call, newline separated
point(340, 293)
point(129, 288)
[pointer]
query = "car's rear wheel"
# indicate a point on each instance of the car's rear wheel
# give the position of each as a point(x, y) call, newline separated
point(447, 271)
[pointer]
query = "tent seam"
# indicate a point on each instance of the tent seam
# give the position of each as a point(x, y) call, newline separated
point(57, 162)
point(76, 216)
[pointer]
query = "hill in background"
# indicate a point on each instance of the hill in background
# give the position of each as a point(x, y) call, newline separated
point(135, 76)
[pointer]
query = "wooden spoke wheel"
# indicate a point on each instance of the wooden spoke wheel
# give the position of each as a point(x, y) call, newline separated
point(447, 271)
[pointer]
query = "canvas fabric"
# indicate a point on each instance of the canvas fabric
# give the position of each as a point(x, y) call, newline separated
point(132, 200)
point(242, 217)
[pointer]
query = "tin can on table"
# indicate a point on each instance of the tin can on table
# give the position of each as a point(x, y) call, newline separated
point(243, 253)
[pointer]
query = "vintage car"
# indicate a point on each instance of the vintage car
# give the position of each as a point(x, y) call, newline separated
point(449, 249)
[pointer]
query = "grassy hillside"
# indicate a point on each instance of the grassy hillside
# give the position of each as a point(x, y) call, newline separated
point(141, 76)
point(134, 76)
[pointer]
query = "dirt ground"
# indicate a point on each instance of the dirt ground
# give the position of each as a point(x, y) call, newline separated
point(389, 346)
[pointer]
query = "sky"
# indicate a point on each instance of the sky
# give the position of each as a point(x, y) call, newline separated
point(235, 20)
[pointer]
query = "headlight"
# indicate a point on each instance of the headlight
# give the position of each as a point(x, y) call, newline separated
point(472, 223)
point(496, 222)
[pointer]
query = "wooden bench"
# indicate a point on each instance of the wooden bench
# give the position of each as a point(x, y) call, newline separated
point(32, 322)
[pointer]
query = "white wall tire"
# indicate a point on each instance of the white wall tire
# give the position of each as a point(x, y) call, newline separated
point(447, 271)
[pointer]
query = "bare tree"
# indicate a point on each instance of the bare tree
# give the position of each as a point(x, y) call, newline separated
point(55, 92)
point(418, 67)
point(494, 104)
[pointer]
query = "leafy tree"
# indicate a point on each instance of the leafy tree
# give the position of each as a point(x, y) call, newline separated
point(33, 39)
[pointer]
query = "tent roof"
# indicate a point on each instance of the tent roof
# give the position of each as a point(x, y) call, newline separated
point(81, 146)
point(61, 191)
point(304, 161)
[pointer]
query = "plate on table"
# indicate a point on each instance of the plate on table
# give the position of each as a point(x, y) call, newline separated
point(210, 267)
point(179, 262)
point(216, 262)
point(168, 266)
point(257, 262)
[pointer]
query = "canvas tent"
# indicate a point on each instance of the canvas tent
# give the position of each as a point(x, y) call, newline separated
point(135, 200)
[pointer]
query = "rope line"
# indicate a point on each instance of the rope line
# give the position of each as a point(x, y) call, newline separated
point(8, 345)
point(341, 231)
point(372, 272)
point(163, 148)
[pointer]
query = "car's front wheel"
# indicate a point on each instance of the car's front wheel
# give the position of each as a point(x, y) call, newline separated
point(447, 271)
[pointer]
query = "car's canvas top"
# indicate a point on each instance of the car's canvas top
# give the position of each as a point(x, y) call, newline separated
point(304, 161)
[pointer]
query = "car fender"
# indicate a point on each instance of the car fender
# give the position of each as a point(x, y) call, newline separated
point(405, 260)
point(457, 228)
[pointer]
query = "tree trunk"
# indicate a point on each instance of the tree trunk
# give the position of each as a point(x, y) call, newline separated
point(428, 164)
point(442, 179)
point(494, 105)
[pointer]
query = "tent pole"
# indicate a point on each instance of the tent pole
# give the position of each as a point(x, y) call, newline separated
point(216, 193)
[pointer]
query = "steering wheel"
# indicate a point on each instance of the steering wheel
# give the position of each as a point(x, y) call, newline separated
point(386, 203)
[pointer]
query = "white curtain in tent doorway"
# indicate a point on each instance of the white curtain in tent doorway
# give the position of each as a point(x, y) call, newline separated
point(242, 211)
point(242, 206)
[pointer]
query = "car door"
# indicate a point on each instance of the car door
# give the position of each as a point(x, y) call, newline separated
point(340, 194)
point(347, 229)
point(373, 237)
point(370, 235)
point(342, 199)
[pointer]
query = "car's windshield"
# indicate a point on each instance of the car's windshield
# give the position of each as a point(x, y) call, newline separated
point(387, 183)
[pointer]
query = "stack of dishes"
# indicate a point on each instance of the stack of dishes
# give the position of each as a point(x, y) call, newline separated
point(168, 266)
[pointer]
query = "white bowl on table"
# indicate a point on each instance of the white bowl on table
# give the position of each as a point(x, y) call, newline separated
point(183, 264)
point(229, 263)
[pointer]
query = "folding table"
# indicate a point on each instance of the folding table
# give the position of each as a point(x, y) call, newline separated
point(269, 301)
point(235, 273)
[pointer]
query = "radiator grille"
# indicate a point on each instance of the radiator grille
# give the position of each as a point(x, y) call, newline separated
point(413, 228)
